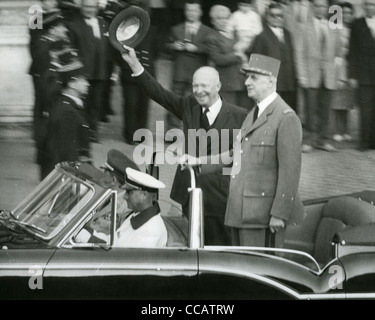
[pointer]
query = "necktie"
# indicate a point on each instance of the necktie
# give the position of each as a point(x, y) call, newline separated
point(256, 113)
point(206, 123)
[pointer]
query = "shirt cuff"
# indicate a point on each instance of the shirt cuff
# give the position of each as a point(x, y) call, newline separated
point(134, 75)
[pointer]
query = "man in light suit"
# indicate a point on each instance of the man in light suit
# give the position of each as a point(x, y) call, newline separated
point(318, 49)
point(362, 72)
point(187, 42)
point(276, 42)
point(202, 110)
point(89, 34)
point(263, 195)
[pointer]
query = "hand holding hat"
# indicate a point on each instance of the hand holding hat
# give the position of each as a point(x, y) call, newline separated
point(130, 57)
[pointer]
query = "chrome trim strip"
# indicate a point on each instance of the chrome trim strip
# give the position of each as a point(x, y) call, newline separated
point(275, 284)
point(360, 295)
point(250, 275)
point(249, 250)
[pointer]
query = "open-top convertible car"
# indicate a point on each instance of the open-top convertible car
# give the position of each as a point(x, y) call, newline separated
point(330, 255)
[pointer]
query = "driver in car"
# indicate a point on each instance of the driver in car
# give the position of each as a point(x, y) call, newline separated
point(115, 167)
point(141, 227)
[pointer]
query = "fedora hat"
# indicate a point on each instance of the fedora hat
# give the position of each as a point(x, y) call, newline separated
point(129, 27)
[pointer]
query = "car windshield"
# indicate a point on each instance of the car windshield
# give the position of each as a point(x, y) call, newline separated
point(54, 203)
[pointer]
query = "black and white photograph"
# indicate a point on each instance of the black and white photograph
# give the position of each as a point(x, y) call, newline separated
point(185, 155)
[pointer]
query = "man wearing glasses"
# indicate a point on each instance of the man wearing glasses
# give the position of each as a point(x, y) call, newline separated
point(276, 42)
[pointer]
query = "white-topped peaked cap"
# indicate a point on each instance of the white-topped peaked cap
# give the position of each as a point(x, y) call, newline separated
point(137, 180)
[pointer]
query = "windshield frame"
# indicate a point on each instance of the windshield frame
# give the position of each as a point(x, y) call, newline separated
point(44, 194)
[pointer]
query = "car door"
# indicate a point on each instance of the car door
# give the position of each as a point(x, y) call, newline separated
point(21, 271)
point(241, 274)
point(360, 275)
point(121, 273)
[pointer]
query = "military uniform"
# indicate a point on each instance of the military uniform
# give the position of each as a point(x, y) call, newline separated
point(67, 133)
point(266, 171)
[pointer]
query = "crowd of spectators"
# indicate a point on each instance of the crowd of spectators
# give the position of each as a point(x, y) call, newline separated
point(327, 59)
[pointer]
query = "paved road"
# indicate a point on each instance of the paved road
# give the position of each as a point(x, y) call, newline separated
point(323, 173)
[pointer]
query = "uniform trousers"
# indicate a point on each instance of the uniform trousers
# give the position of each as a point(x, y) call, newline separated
point(256, 237)
point(135, 109)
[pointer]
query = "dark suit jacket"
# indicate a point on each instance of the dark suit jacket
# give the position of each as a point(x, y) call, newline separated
point(362, 53)
point(268, 44)
point(186, 63)
point(220, 50)
point(95, 53)
point(67, 136)
point(215, 186)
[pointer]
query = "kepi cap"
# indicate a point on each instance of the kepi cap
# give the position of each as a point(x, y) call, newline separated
point(261, 64)
point(117, 163)
point(137, 180)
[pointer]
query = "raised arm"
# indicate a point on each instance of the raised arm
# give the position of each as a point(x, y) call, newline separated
point(152, 87)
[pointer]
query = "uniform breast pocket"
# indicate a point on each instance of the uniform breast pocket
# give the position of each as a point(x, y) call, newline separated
point(265, 150)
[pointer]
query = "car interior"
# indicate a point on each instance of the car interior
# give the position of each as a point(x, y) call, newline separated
point(325, 218)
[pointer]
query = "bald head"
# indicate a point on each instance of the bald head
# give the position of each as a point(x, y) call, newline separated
point(206, 86)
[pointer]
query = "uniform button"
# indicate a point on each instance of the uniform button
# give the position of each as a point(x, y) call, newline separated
point(241, 151)
point(263, 194)
point(262, 142)
point(236, 164)
point(233, 177)
point(247, 139)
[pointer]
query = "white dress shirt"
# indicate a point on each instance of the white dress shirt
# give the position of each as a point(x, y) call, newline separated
point(213, 111)
point(266, 102)
point(94, 24)
point(279, 33)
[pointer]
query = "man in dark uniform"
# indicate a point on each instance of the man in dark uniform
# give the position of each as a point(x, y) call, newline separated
point(89, 34)
point(40, 42)
point(68, 131)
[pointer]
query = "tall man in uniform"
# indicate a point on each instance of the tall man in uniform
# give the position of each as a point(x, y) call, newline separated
point(202, 110)
point(67, 131)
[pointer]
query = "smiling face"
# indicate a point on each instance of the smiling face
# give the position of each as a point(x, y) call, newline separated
point(206, 86)
point(275, 18)
point(259, 86)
